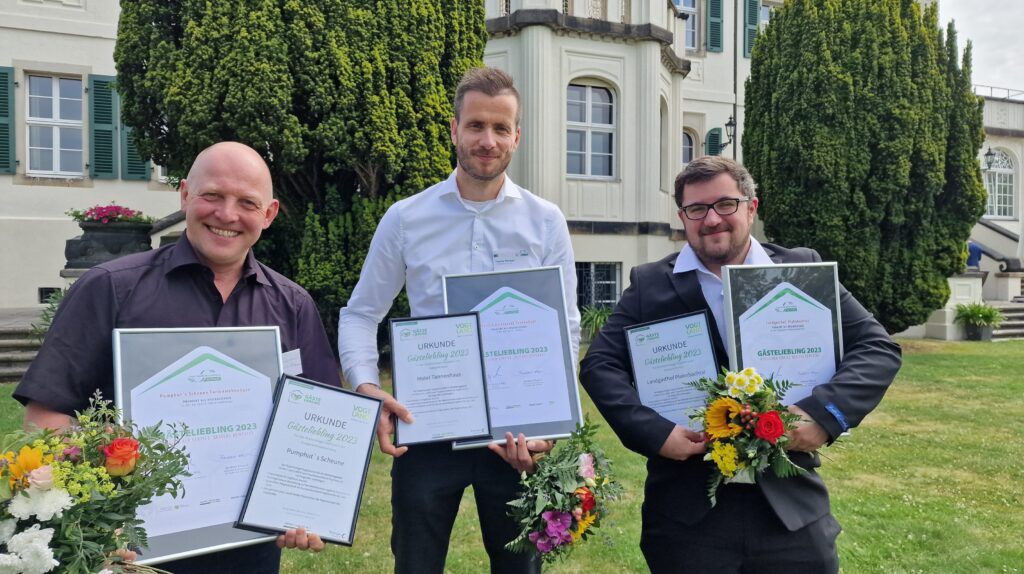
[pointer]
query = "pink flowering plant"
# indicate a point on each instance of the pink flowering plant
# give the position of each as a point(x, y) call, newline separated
point(112, 213)
point(564, 501)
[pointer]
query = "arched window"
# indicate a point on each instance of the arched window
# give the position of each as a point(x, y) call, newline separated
point(1000, 187)
point(687, 148)
point(590, 131)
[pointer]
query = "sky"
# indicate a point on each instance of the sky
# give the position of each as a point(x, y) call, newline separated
point(996, 30)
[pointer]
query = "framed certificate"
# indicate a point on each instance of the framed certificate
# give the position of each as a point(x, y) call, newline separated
point(312, 466)
point(530, 370)
point(438, 374)
point(667, 356)
point(220, 383)
point(785, 321)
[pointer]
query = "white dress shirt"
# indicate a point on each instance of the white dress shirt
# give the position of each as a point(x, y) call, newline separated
point(436, 233)
point(711, 284)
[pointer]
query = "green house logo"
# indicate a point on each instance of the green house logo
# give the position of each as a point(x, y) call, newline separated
point(295, 396)
point(463, 329)
point(787, 307)
point(694, 329)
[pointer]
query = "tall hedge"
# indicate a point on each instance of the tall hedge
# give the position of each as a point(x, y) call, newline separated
point(347, 100)
point(862, 132)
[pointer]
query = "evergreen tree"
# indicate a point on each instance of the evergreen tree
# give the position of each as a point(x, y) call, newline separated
point(347, 100)
point(862, 132)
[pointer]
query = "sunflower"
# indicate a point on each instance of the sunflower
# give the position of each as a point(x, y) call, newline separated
point(582, 526)
point(719, 415)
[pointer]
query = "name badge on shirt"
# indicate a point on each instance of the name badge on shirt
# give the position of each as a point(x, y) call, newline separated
point(507, 259)
point(292, 362)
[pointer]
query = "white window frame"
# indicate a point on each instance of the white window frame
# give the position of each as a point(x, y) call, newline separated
point(694, 142)
point(588, 127)
point(589, 282)
point(54, 123)
point(1000, 187)
point(691, 32)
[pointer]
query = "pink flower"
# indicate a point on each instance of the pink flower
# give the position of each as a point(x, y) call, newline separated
point(558, 522)
point(543, 543)
point(41, 478)
point(586, 469)
point(71, 453)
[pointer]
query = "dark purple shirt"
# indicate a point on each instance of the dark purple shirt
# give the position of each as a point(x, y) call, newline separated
point(164, 288)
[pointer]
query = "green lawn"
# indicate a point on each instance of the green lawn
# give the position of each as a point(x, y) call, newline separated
point(932, 482)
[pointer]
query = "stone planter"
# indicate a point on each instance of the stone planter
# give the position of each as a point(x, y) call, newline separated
point(102, 242)
point(978, 333)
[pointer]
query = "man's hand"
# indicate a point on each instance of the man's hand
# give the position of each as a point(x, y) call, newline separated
point(386, 425)
point(682, 443)
point(519, 452)
point(808, 436)
point(299, 538)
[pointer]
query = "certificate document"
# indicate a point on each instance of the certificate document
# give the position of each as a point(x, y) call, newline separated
point(531, 374)
point(667, 356)
point(312, 467)
point(438, 374)
point(225, 406)
point(784, 320)
point(220, 383)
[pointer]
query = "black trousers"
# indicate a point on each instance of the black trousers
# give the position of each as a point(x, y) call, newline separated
point(262, 558)
point(427, 483)
point(740, 535)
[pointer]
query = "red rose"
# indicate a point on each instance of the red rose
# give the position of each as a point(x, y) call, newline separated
point(586, 499)
point(121, 456)
point(770, 426)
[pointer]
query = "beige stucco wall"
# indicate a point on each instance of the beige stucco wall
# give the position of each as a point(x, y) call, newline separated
point(53, 37)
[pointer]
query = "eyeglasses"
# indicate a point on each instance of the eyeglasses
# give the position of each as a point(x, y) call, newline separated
point(727, 206)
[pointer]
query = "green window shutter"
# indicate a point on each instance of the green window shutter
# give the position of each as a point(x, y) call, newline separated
point(133, 165)
point(713, 142)
point(714, 35)
point(752, 17)
point(7, 120)
point(103, 120)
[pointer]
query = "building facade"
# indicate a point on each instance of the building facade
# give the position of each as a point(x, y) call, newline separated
point(61, 143)
point(618, 95)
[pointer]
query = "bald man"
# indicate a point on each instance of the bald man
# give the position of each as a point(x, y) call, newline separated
point(208, 278)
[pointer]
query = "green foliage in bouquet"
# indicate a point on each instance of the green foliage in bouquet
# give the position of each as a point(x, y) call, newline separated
point(68, 498)
point(565, 499)
point(745, 427)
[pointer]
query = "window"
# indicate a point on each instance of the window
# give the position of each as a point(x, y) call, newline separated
point(1000, 187)
point(689, 7)
point(766, 14)
point(590, 133)
point(687, 148)
point(598, 284)
point(54, 125)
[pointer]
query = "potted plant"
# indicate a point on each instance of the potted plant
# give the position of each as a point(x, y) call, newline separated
point(109, 231)
point(978, 320)
point(592, 319)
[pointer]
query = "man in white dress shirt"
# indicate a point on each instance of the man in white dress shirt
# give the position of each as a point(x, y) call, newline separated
point(475, 221)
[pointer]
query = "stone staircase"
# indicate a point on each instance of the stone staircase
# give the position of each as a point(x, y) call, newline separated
point(17, 349)
point(1013, 326)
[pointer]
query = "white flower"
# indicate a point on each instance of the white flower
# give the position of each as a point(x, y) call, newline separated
point(105, 571)
point(33, 547)
point(10, 564)
point(43, 504)
point(7, 530)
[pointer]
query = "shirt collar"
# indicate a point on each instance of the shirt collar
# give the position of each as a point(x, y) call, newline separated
point(508, 188)
point(183, 254)
point(688, 260)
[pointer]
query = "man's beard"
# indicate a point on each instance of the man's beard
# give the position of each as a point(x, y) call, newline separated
point(465, 158)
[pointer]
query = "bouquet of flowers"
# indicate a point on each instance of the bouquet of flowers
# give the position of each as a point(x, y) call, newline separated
point(745, 427)
point(68, 498)
point(564, 500)
point(112, 213)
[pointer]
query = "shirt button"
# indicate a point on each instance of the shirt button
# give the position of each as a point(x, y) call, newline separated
point(476, 247)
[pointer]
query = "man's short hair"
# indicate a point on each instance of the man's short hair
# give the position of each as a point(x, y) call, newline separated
point(490, 81)
point(709, 167)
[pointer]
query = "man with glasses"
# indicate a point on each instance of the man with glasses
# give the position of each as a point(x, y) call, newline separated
point(779, 524)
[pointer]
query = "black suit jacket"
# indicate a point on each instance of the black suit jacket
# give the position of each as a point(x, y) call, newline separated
point(677, 490)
